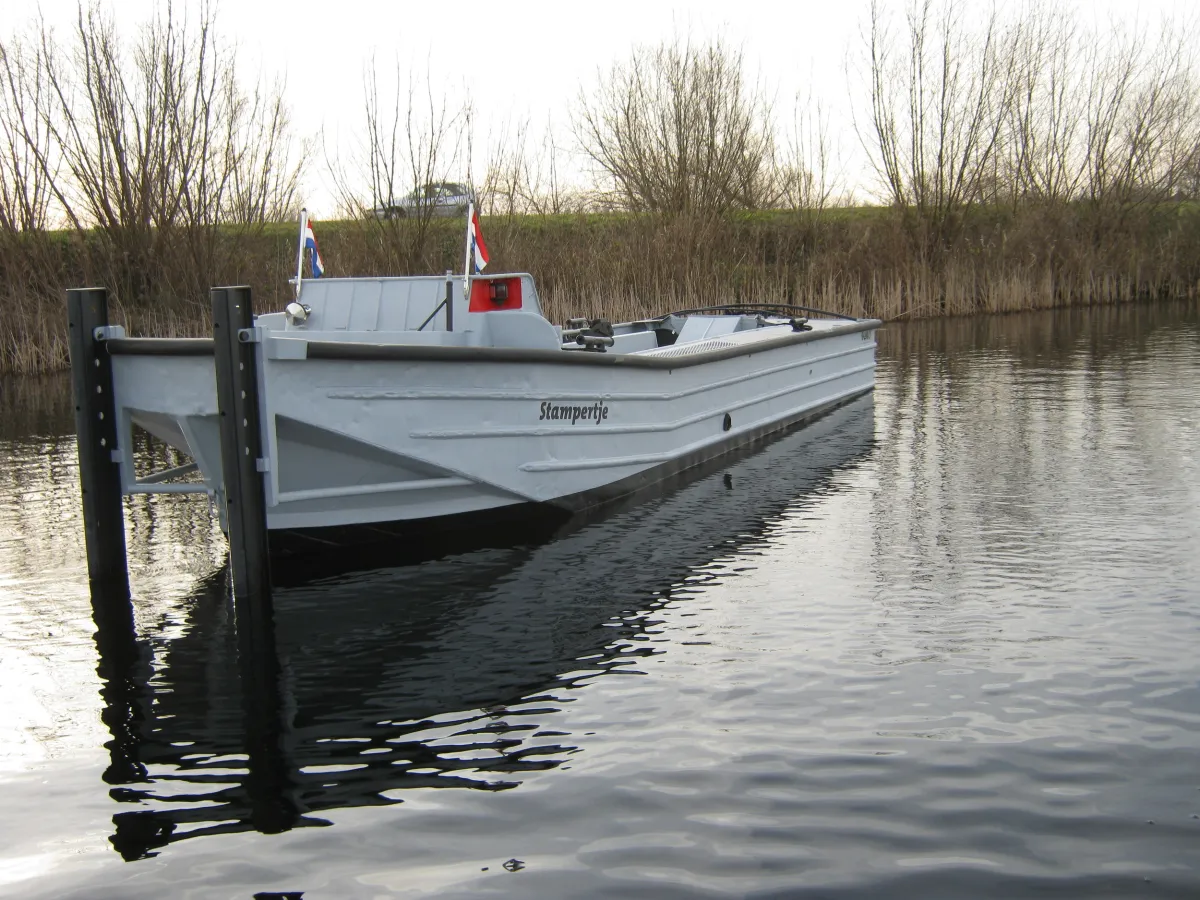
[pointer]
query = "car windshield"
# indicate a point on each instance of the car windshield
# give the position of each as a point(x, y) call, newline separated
point(438, 191)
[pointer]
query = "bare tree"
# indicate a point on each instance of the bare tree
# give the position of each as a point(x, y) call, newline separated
point(524, 174)
point(27, 168)
point(804, 180)
point(1110, 118)
point(937, 110)
point(413, 139)
point(156, 144)
point(679, 129)
point(265, 175)
point(1155, 127)
point(414, 142)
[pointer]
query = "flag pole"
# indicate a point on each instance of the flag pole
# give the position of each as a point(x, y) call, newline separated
point(300, 251)
point(467, 256)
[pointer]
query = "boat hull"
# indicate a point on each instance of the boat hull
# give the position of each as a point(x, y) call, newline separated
point(380, 439)
point(420, 539)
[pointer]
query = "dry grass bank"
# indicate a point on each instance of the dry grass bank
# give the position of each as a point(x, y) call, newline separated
point(867, 261)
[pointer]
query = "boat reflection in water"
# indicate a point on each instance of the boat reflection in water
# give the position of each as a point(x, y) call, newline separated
point(437, 674)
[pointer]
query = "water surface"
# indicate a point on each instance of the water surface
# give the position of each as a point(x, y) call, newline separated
point(941, 643)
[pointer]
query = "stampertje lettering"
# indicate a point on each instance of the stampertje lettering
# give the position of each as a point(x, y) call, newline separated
point(597, 412)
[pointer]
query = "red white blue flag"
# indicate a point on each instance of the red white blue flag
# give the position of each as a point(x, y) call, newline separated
point(310, 244)
point(478, 252)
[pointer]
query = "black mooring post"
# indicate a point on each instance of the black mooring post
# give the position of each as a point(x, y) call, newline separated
point(96, 428)
point(241, 449)
point(125, 673)
point(270, 780)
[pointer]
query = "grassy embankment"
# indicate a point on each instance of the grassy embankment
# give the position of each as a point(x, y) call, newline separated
point(863, 261)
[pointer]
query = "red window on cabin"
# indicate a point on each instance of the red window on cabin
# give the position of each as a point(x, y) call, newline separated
point(490, 294)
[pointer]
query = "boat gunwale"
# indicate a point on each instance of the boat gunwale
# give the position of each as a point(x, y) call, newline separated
point(348, 350)
point(140, 346)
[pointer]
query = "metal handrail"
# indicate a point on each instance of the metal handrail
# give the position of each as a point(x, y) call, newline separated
point(768, 308)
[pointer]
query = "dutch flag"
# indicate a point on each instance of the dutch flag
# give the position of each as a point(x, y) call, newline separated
point(310, 244)
point(478, 253)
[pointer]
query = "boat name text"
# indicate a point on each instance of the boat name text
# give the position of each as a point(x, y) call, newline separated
point(597, 412)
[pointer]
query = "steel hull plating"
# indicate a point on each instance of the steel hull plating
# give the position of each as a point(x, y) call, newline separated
point(358, 434)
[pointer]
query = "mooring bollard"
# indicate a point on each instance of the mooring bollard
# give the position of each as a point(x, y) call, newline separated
point(96, 429)
point(241, 449)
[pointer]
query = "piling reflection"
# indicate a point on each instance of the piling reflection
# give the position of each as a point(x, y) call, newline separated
point(443, 674)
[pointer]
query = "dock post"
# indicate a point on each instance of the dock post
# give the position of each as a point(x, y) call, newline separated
point(96, 429)
point(268, 783)
point(241, 450)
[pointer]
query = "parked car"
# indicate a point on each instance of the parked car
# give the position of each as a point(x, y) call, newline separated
point(438, 198)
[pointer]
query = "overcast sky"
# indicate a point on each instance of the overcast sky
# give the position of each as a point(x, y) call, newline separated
point(522, 59)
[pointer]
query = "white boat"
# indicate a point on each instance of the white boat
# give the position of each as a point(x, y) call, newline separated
point(385, 410)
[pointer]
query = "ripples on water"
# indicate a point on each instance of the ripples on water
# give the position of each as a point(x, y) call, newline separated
point(941, 643)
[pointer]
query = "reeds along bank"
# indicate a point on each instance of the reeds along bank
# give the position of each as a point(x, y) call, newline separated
point(1025, 162)
point(862, 261)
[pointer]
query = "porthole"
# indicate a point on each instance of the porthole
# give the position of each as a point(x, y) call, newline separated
point(728, 423)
